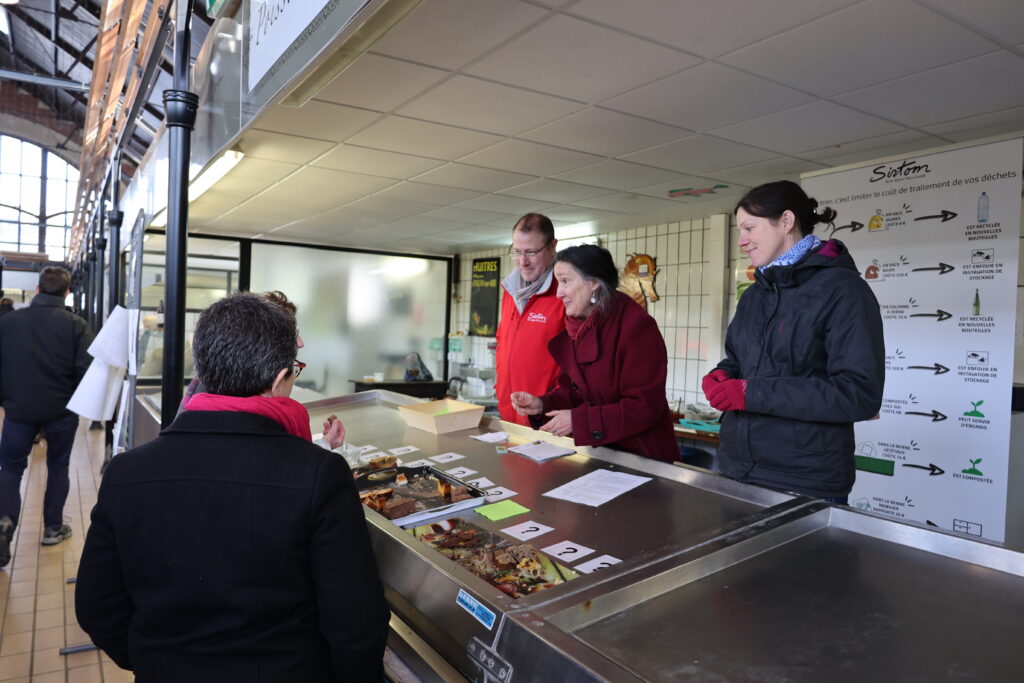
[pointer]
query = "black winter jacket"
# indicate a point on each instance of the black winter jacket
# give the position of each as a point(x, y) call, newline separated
point(808, 340)
point(228, 551)
point(43, 357)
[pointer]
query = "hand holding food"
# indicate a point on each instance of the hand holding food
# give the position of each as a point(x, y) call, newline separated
point(334, 431)
point(526, 403)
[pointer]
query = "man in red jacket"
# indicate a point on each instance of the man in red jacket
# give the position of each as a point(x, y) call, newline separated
point(531, 315)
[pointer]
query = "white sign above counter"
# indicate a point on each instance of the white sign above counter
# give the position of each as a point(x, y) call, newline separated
point(275, 26)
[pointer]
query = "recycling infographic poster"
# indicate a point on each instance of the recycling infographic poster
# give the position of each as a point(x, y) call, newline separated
point(936, 236)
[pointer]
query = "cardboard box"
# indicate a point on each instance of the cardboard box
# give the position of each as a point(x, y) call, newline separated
point(441, 417)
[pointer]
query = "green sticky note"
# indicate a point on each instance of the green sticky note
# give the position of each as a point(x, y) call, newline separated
point(501, 510)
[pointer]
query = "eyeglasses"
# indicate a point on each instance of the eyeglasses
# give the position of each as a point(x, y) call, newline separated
point(528, 253)
point(299, 367)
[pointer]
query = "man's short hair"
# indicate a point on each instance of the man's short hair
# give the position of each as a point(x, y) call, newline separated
point(536, 222)
point(54, 280)
point(241, 343)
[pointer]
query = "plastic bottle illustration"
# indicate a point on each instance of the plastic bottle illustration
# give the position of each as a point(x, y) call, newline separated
point(976, 307)
point(983, 208)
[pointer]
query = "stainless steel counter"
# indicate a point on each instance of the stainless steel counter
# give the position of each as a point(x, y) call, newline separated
point(719, 581)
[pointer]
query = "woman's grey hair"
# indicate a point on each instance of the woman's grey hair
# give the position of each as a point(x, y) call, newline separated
point(241, 343)
point(594, 264)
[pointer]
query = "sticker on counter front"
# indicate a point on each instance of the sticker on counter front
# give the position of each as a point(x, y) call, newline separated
point(481, 483)
point(473, 606)
point(567, 551)
point(367, 448)
point(447, 457)
point(401, 450)
point(593, 565)
point(499, 493)
point(461, 472)
point(527, 530)
point(491, 437)
point(420, 463)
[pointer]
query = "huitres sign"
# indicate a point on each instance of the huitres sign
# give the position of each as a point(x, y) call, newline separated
point(936, 236)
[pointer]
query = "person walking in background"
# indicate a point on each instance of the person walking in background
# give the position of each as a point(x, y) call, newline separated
point(804, 354)
point(613, 364)
point(531, 315)
point(43, 357)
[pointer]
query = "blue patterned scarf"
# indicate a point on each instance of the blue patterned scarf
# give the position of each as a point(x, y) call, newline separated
point(795, 253)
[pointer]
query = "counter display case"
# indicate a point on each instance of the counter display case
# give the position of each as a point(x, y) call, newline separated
point(716, 580)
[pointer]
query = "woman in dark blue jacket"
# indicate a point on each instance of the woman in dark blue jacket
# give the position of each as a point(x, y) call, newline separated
point(805, 357)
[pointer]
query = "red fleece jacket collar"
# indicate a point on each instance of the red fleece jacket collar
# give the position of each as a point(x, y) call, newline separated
point(287, 412)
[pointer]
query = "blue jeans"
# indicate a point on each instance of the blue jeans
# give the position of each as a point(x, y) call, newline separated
point(15, 446)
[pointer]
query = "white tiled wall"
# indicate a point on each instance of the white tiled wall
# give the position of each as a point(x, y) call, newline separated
point(682, 310)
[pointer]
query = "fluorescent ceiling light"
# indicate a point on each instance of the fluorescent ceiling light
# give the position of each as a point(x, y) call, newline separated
point(204, 181)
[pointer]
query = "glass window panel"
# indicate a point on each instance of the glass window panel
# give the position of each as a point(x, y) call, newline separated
point(359, 313)
point(10, 189)
point(31, 160)
point(9, 232)
point(8, 213)
point(8, 246)
point(31, 193)
point(72, 175)
point(56, 253)
point(10, 155)
point(56, 168)
point(56, 197)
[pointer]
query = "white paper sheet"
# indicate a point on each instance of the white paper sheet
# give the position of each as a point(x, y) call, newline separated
point(491, 437)
point(597, 563)
point(540, 451)
point(402, 450)
point(447, 457)
point(111, 344)
point(527, 530)
point(597, 488)
point(481, 483)
point(567, 551)
point(461, 472)
point(98, 391)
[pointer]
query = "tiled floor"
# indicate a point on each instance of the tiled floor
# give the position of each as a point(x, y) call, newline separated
point(37, 605)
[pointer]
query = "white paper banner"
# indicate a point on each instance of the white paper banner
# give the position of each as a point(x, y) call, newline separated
point(98, 392)
point(111, 344)
point(936, 237)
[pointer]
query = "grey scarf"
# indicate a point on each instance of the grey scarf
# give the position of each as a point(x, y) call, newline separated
point(521, 291)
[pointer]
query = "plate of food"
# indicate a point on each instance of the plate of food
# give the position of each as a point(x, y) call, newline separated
point(511, 566)
point(411, 495)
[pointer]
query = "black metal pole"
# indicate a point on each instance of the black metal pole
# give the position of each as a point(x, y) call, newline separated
point(101, 248)
point(180, 106)
point(114, 219)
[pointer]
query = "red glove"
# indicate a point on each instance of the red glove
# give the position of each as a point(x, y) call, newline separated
point(729, 395)
point(712, 379)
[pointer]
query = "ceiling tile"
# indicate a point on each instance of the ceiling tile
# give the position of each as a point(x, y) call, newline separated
point(375, 162)
point(810, 126)
point(579, 214)
point(576, 59)
point(386, 204)
point(883, 145)
point(709, 29)
point(600, 131)
point(474, 103)
point(708, 96)
point(529, 157)
point(505, 205)
point(431, 194)
point(316, 119)
point(914, 39)
point(379, 83)
point(995, 123)
point(927, 98)
point(999, 18)
point(410, 136)
point(277, 147)
point(700, 154)
point(451, 33)
point(473, 178)
point(311, 180)
point(768, 171)
point(556, 191)
point(414, 226)
point(473, 216)
point(618, 175)
point(262, 170)
point(627, 202)
point(241, 187)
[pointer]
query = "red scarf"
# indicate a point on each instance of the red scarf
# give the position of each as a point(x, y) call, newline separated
point(287, 412)
point(576, 327)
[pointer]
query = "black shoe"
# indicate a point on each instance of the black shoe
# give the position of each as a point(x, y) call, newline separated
point(6, 535)
point(56, 534)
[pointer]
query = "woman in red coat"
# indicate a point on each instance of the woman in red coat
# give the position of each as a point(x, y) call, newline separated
point(612, 364)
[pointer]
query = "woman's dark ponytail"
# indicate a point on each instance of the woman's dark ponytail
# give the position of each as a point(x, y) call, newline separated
point(771, 200)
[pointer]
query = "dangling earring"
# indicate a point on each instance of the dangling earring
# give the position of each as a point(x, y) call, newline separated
point(593, 298)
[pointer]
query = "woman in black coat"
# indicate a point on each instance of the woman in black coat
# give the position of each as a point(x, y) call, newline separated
point(231, 548)
point(805, 357)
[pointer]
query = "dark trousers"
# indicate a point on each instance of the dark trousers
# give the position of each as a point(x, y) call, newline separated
point(15, 446)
